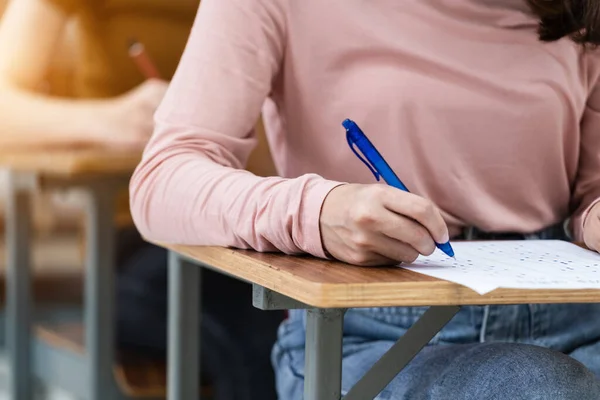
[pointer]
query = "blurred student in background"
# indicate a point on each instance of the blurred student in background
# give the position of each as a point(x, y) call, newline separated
point(112, 105)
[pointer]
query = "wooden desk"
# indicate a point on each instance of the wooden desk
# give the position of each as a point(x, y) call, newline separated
point(99, 174)
point(331, 284)
point(70, 163)
point(325, 289)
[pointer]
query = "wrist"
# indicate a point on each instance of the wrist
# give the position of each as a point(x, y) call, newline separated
point(592, 209)
point(91, 122)
point(311, 217)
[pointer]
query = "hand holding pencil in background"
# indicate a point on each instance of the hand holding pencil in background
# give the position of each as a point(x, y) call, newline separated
point(129, 118)
point(142, 60)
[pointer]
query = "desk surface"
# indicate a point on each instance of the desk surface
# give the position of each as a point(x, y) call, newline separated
point(330, 284)
point(71, 162)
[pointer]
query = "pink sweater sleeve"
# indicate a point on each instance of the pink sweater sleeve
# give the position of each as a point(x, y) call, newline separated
point(587, 187)
point(189, 188)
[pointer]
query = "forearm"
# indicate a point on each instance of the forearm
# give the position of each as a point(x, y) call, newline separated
point(30, 119)
point(189, 187)
point(181, 196)
point(29, 33)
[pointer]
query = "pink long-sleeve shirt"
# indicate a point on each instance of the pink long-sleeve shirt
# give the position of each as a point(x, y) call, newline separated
point(500, 130)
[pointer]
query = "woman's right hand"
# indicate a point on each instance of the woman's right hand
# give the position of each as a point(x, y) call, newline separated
point(127, 121)
point(376, 224)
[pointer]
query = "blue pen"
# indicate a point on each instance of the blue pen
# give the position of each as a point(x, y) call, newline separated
point(375, 162)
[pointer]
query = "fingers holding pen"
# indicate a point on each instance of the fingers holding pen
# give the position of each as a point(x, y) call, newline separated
point(368, 225)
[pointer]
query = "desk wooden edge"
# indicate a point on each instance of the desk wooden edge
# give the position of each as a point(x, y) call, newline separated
point(429, 292)
point(70, 164)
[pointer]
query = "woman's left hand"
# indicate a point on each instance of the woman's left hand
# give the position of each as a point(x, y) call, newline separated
point(591, 228)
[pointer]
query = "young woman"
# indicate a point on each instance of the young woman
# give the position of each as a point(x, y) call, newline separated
point(112, 105)
point(488, 109)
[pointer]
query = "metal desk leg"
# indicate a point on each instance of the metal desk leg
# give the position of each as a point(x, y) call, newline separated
point(100, 292)
point(323, 364)
point(184, 329)
point(18, 288)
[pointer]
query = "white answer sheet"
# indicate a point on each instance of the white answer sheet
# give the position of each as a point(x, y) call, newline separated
point(525, 264)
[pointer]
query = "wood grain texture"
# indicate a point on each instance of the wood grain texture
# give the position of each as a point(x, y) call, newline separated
point(138, 376)
point(71, 162)
point(331, 284)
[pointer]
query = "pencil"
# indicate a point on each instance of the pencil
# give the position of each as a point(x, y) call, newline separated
point(142, 60)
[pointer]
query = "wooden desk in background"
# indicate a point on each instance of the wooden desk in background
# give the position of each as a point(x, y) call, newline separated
point(325, 289)
point(99, 175)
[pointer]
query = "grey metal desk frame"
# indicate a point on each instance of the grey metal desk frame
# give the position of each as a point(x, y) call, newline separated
point(323, 368)
point(29, 357)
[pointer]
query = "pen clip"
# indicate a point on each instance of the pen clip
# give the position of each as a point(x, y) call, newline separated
point(371, 168)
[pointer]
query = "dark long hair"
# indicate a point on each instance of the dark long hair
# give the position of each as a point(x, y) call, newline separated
point(576, 19)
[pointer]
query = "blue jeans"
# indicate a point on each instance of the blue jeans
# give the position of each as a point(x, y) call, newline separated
point(535, 351)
